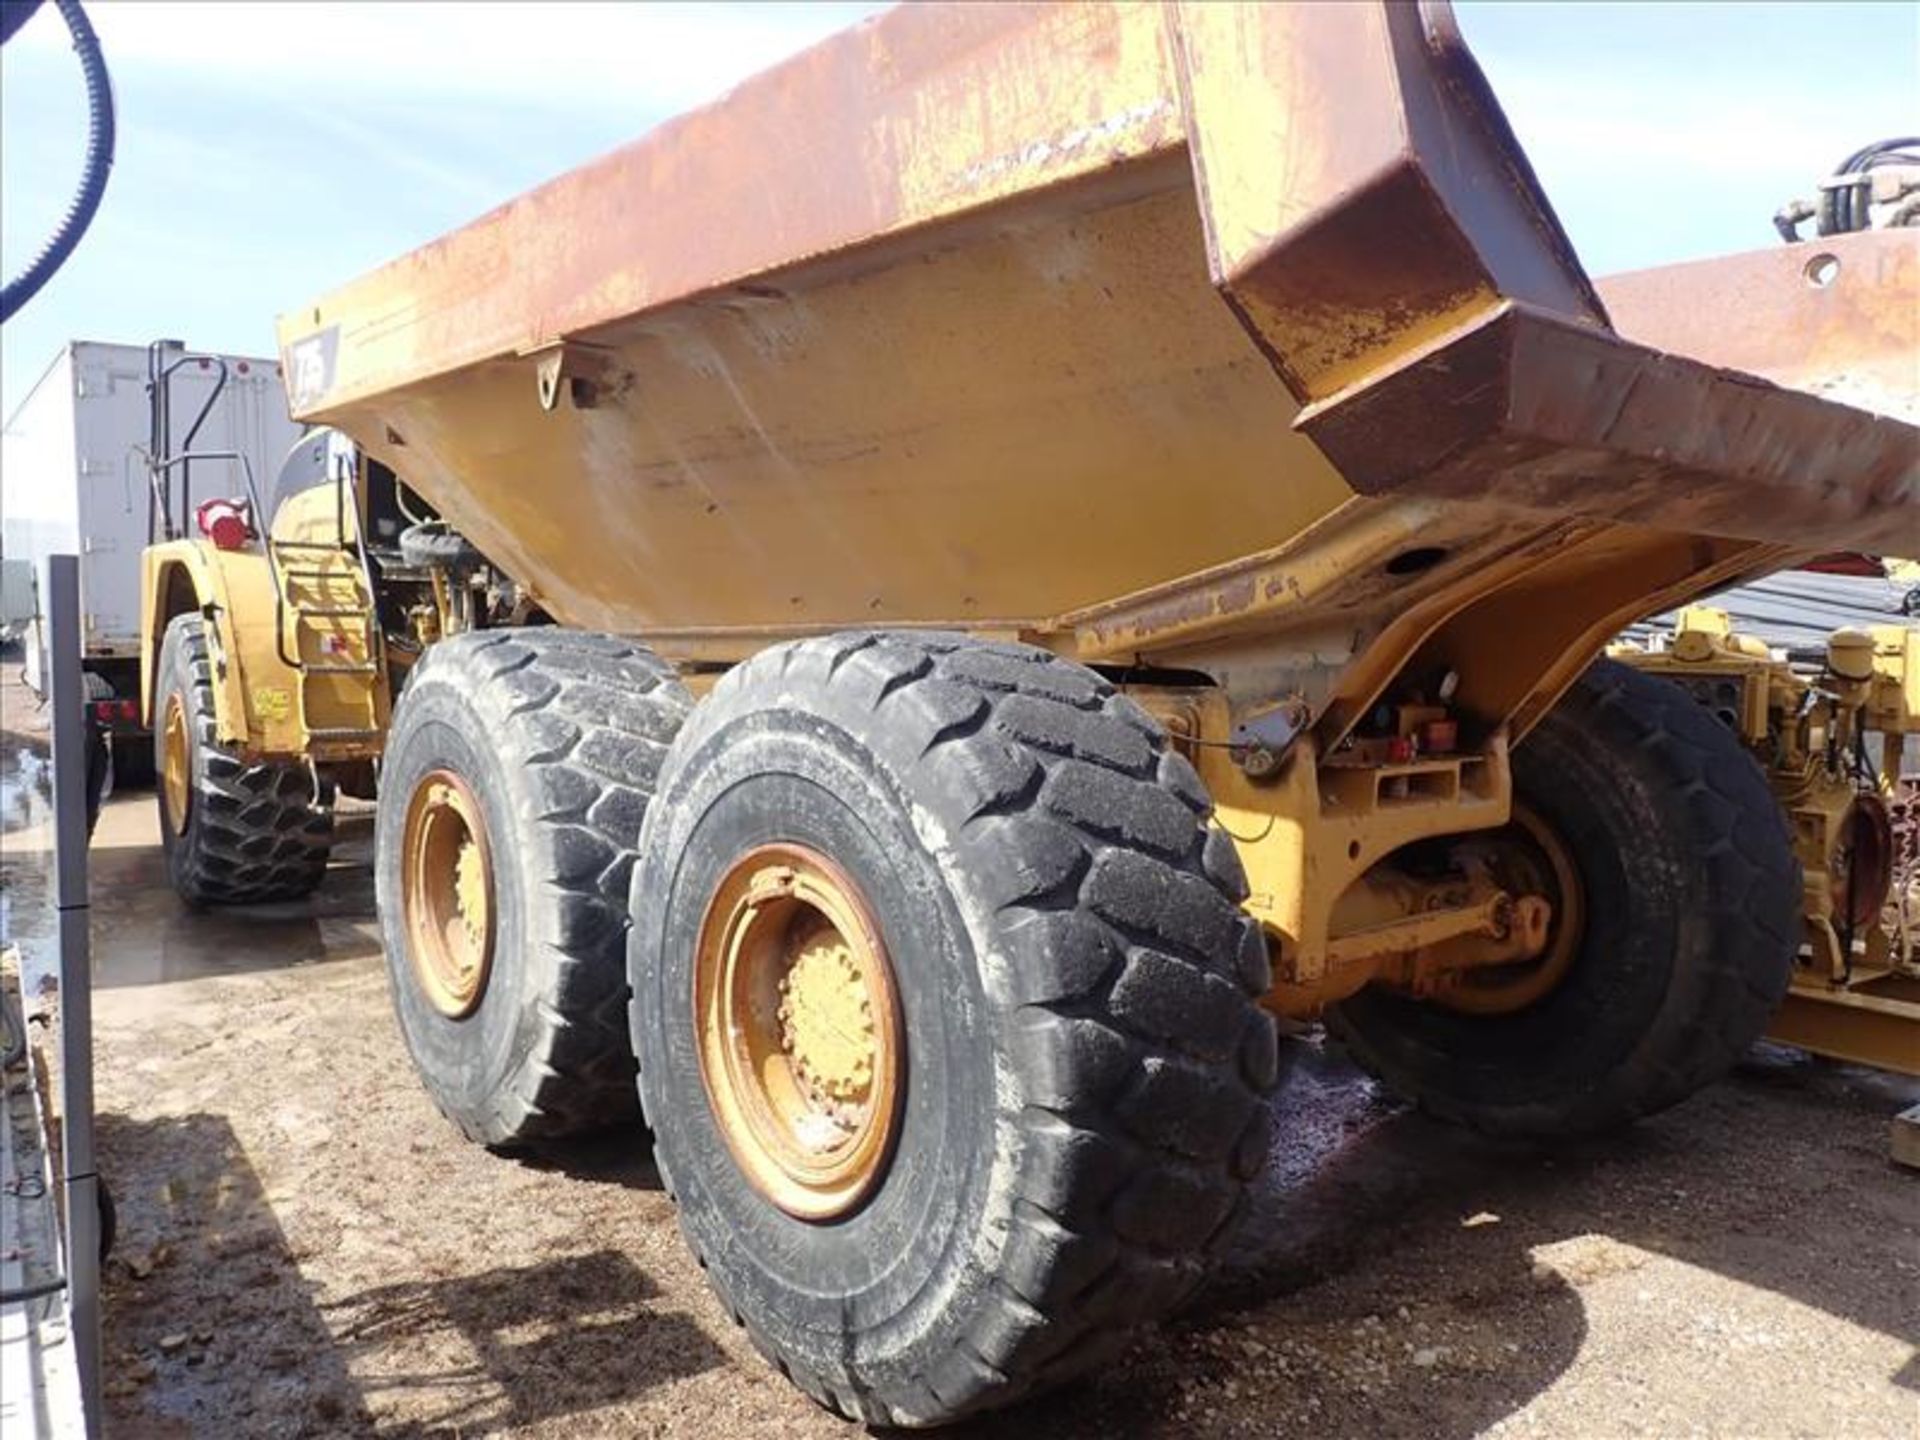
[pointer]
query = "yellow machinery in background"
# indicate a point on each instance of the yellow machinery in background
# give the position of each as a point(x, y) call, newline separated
point(1832, 740)
point(263, 674)
point(275, 632)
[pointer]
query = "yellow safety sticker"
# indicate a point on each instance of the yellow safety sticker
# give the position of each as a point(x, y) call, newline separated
point(271, 704)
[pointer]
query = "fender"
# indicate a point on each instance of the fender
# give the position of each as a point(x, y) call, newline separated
point(256, 693)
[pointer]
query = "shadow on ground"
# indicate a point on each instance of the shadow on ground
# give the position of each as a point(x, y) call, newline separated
point(212, 1330)
point(209, 1328)
point(546, 1340)
point(1379, 1234)
point(1375, 1241)
point(621, 1157)
point(1306, 1313)
point(1679, 1185)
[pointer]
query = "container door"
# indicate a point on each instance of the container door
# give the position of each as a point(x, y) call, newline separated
point(110, 426)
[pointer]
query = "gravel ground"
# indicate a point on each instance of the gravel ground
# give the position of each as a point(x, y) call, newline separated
point(308, 1249)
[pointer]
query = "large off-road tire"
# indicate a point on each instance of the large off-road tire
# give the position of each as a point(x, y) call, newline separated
point(1077, 1064)
point(232, 832)
point(433, 544)
point(1692, 918)
point(538, 749)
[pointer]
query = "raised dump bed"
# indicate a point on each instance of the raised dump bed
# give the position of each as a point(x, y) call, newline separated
point(1156, 464)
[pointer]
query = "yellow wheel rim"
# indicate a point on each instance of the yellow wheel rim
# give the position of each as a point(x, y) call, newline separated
point(446, 892)
point(176, 765)
point(1530, 859)
point(797, 1025)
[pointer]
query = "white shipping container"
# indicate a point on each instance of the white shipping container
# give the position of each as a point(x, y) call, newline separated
point(74, 477)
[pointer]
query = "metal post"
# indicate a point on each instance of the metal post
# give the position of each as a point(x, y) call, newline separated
point(76, 979)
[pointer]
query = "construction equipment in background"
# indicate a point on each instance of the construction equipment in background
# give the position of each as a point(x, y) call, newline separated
point(1138, 492)
point(75, 479)
point(1830, 730)
point(275, 630)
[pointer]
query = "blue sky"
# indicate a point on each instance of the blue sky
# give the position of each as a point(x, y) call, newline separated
point(270, 151)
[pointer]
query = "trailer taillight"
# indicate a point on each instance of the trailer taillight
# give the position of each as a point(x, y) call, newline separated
point(130, 710)
point(103, 711)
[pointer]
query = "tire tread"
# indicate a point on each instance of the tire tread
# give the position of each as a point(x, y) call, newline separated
point(1047, 782)
point(258, 832)
point(563, 702)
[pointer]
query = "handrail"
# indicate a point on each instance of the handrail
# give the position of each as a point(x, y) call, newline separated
point(376, 633)
point(158, 469)
point(160, 422)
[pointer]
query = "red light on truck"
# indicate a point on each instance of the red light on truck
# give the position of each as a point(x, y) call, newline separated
point(225, 523)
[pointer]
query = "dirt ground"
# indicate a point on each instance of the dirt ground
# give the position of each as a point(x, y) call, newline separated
point(307, 1248)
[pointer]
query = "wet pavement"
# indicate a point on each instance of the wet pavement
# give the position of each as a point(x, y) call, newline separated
point(142, 934)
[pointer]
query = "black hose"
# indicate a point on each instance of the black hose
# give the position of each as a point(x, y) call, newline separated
point(14, 14)
point(93, 175)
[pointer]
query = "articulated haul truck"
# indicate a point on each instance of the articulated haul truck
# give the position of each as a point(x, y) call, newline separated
point(945, 590)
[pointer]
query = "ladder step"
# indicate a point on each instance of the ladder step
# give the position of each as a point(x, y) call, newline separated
point(340, 733)
point(331, 612)
point(311, 545)
point(368, 668)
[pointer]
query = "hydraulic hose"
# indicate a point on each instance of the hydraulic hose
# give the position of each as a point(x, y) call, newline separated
point(99, 157)
point(1846, 208)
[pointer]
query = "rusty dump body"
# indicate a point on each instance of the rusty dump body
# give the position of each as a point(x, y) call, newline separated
point(1189, 340)
point(1233, 339)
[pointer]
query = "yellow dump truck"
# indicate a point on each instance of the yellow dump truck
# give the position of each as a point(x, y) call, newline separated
point(1073, 530)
